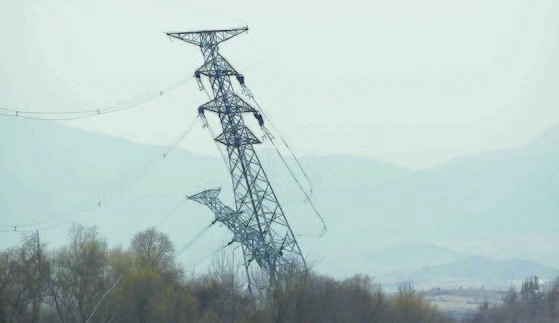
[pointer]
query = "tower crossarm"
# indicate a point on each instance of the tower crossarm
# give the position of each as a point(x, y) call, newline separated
point(226, 103)
point(202, 37)
point(222, 212)
point(219, 67)
point(254, 242)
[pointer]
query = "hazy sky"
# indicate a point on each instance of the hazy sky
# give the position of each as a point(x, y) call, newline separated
point(410, 82)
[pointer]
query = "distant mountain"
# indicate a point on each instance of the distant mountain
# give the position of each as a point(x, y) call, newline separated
point(498, 205)
point(402, 258)
point(430, 266)
point(547, 142)
point(476, 271)
point(338, 172)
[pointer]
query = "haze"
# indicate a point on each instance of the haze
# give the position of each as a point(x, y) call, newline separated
point(408, 82)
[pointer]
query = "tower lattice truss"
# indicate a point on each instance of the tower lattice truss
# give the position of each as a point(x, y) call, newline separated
point(257, 222)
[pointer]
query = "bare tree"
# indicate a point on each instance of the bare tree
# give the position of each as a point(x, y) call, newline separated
point(72, 281)
point(80, 275)
point(552, 300)
point(406, 287)
point(24, 271)
point(153, 250)
point(531, 294)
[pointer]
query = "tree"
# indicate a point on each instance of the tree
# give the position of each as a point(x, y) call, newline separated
point(24, 271)
point(552, 300)
point(152, 287)
point(531, 305)
point(511, 297)
point(80, 275)
point(531, 295)
point(410, 306)
point(221, 293)
point(84, 278)
point(153, 251)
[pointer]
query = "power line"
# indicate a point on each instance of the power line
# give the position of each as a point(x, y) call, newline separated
point(17, 115)
point(307, 195)
point(173, 210)
point(201, 260)
point(103, 297)
point(309, 183)
point(308, 198)
point(16, 229)
point(22, 225)
point(179, 139)
point(132, 178)
point(136, 175)
point(195, 238)
point(82, 114)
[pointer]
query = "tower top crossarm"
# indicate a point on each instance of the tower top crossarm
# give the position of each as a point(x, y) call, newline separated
point(204, 37)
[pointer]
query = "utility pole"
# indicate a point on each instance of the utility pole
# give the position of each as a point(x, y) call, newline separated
point(258, 222)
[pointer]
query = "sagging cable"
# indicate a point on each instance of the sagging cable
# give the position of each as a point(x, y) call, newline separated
point(271, 137)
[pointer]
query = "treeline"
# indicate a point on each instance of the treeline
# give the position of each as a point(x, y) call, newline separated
point(86, 281)
point(532, 304)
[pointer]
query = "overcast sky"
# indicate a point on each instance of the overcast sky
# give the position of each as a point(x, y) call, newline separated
point(410, 82)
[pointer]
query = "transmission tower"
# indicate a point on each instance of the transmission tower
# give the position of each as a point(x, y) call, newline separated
point(257, 222)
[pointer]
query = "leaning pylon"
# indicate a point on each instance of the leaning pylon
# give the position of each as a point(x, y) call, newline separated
point(257, 222)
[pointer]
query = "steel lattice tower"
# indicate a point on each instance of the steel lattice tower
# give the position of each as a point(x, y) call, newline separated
point(258, 222)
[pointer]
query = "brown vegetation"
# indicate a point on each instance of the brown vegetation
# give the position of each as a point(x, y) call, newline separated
point(86, 281)
point(533, 304)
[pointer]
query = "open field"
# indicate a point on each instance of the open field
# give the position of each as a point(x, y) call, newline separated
point(462, 302)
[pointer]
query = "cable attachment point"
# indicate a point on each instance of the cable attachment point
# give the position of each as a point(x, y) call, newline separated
point(267, 134)
point(199, 80)
point(246, 91)
point(204, 120)
point(241, 79)
point(260, 119)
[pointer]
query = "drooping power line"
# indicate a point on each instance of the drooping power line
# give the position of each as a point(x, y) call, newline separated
point(56, 222)
point(86, 113)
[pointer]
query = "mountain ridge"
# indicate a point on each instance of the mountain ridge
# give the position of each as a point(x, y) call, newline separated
point(546, 142)
point(494, 208)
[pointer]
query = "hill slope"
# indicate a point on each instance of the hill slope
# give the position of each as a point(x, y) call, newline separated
point(503, 206)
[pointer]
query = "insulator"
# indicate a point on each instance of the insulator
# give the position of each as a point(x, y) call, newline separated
point(241, 79)
point(258, 117)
